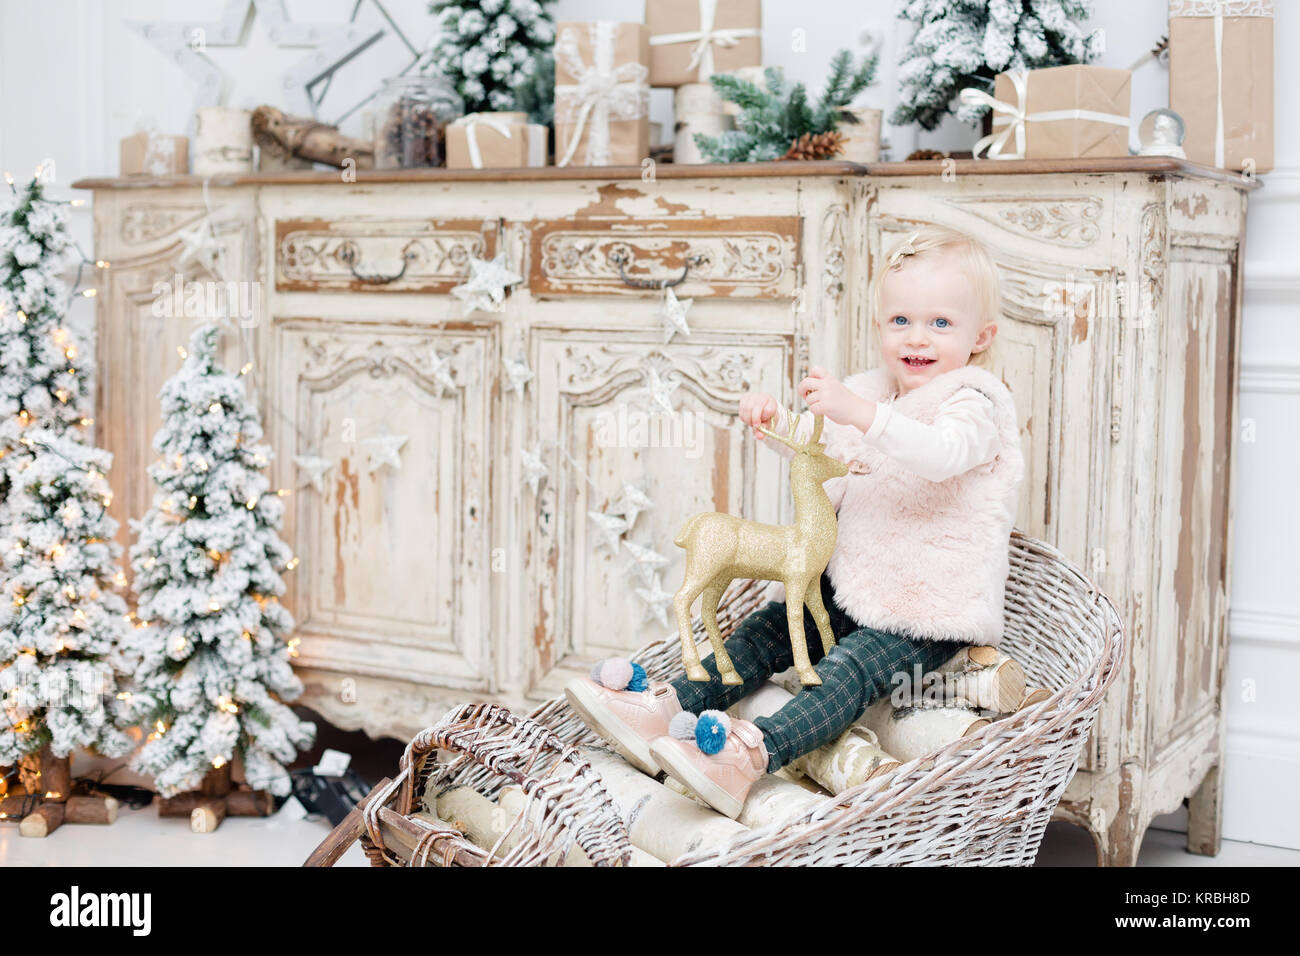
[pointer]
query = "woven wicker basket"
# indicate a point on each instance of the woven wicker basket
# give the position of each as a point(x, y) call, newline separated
point(985, 799)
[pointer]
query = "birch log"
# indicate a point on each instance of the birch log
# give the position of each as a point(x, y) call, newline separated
point(207, 814)
point(91, 810)
point(42, 821)
point(512, 799)
point(663, 823)
point(911, 732)
point(1035, 696)
point(773, 797)
point(986, 677)
point(837, 766)
point(473, 814)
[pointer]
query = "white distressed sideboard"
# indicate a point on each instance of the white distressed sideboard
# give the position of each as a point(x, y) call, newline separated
point(448, 579)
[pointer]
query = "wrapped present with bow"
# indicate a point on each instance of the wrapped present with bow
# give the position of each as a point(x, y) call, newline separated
point(602, 93)
point(493, 140)
point(1221, 80)
point(690, 40)
point(1061, 112)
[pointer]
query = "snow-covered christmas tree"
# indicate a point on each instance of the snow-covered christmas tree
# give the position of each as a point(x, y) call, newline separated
point(484, 47)
point(966, 43)
point(61, 619)
point(212, 652)
point(44, 373)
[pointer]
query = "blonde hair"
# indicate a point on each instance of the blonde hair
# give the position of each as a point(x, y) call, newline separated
point(972, 255)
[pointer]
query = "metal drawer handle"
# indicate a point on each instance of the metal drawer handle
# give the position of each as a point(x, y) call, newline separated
point(348, 253)
point(621, 255)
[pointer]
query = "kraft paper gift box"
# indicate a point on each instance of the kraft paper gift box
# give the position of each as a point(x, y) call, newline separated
point(1221, 80)
point(154, 154)
point(690, 40)
point(494, 140)
point(602, 93)
point(1061, 112)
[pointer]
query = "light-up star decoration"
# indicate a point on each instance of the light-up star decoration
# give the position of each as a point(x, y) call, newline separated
point(315, 467)
point(646, 562)
point(630, 502)
point(518, 374)
point(534, 468)
point(201, 243)
point(658, 391)
point(656, 601)
point(384, 450)
point(185, 41)
point(608, 528)
point(672, 313)
point(441, 372)
point(486, 288)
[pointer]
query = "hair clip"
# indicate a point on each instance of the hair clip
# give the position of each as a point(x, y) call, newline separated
point(903, 250)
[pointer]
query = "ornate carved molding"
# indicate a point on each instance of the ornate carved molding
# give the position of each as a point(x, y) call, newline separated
point(834, 237)
point(1070, 221)
point(1153, 232)
point(144, 222)
point(716, 369)
point(326, 355)
point(743, 257)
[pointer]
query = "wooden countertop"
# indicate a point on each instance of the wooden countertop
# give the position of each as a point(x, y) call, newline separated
point(1154, 165)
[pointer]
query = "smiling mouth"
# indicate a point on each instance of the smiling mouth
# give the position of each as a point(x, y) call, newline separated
point(916, 361)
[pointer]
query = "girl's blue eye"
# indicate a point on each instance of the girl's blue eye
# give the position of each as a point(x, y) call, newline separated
point(903, 317)
point(943, 320)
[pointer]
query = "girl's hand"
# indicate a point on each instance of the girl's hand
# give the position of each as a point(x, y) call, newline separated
point(827, 395)
point(757, 408)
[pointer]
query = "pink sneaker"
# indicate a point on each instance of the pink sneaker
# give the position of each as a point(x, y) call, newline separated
point(627, 719)
point(722, 780)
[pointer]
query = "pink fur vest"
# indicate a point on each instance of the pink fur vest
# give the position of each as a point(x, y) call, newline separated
point(925, 559)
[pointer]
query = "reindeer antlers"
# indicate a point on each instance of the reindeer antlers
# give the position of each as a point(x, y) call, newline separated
point(794, 423)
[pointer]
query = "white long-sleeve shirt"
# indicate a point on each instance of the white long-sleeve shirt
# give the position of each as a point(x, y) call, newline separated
point(964, 434)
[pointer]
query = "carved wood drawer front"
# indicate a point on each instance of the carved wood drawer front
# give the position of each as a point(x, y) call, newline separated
point(751, 257)
point(389, 255)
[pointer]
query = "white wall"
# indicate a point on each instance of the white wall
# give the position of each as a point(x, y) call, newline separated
point(73, 80)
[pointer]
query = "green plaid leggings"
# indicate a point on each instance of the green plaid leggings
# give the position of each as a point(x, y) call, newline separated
point(859, 669)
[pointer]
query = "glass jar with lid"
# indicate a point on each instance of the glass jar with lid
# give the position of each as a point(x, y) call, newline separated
point(410, 118)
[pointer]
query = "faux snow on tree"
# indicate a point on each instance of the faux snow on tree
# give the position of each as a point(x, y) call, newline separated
point(61, 618)
point(44, 374)
point(210, 648)
point(485, 48)
point(966, 43)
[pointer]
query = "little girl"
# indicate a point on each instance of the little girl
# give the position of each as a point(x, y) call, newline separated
point(921, 558)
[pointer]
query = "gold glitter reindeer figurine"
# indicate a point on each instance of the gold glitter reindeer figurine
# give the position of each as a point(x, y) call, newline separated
point(720, 547)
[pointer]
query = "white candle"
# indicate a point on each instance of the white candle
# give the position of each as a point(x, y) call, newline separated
point(223, 141)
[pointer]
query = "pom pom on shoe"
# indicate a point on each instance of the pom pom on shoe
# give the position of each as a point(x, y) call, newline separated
point(638, 682)
point(711, 731)
point(682, 725)
point(615, 673)
point(595, 669)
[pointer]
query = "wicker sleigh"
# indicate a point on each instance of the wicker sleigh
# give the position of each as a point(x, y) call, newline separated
point(985, 799)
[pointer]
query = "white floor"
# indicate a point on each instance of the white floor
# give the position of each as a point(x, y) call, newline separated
point(140, 838)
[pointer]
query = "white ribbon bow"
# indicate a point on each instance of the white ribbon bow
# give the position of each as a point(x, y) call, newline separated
point(600, 91)
point(706, 36)
point(1015, 117)
point(471, 122)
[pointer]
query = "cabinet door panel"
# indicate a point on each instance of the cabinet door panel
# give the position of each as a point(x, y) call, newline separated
point(393, 553)
point(591, 412)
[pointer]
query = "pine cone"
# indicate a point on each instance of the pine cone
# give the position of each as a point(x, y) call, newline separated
point(816, 146)
point(925, 154)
